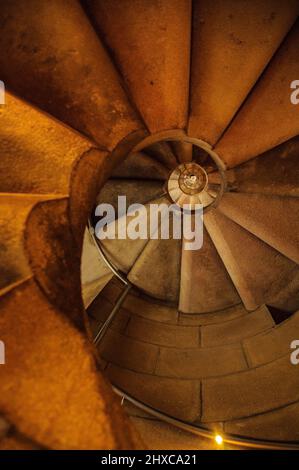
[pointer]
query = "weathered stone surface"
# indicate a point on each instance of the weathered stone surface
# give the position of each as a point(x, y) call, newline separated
point(123, 252)
point(140, 165)
point(275, 172)
point(179, 398)
point(95, 274)
point(128, 353)
point(163, 153)
point(249, 269)
point(135, 190)
point(54, 59)
point(166, 335)
point(268, 117)
point(100, 309)
point(46, 359)
point(150, 42)
point(208, 318)
point(14, 210)
point(162, 257)
point(281, 425)
point(233, 331)
point(203, 362)
point(272, 344)
point(50, 155)
point(205, 283)
point(250, 392)
point(152, 311)
point(232, 43)
point(267, 218)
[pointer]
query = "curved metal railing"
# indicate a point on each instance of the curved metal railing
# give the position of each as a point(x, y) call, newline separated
point(199, 430)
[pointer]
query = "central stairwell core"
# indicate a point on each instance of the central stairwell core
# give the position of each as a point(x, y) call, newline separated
point(197, 174)
point(188, 185)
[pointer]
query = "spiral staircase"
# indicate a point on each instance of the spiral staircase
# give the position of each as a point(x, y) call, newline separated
point(161, 101)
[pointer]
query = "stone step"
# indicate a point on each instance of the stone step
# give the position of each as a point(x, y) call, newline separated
point(160, 435)
point(176, 397)
point(268, 106)
point(139, 165)
point(151, 310)
point(267, 218)
point(173, 336)
point(163, 153)
point(166, 314)
point(100, 309)
point(55, 393)
point(221, 79)
point(128, 344)
point(205, 283)
point(149, 330)
point(259, 272)
point(236, 330)
point(123, 252)
point(194, 363)
point(275, 172)
point(136, 191)
point(95, 274)
point(281, 425)
point(157, 73)
point(288, 297)
point(91, 290)
point(157, 270)
point(250, 392)
point(128, 353)
point(272, 344)
point(207, 318)
point(63, 68)
point(14, 212)
point(173, 437)
point(182, 150)
point(51, 155)
point(141, 306)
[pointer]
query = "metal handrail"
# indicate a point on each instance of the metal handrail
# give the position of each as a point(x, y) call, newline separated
point(205, 432)
point(192, 428)
point(103, 329)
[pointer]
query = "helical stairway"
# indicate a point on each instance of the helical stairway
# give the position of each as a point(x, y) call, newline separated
point(161, 101)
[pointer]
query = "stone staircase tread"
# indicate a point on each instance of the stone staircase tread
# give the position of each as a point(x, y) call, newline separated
point(62, 53)
point(165, 335)
point(163, 257)
point(221, 79)
point(124, 252)
point(274, 172)
point(266, 217)
point(205, 269)
point(128, 353)
point(51, 155)
point(140, 165)
point(237, 329)
point(176, 397)
point(250, 392)
point(158, 81)
point(270, 345)
point(259, 112)
point(281, 424)
point(235, 311)
point(249, 269)
point(198, 363)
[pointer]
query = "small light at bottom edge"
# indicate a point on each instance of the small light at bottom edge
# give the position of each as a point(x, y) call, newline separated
point(219, 439)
